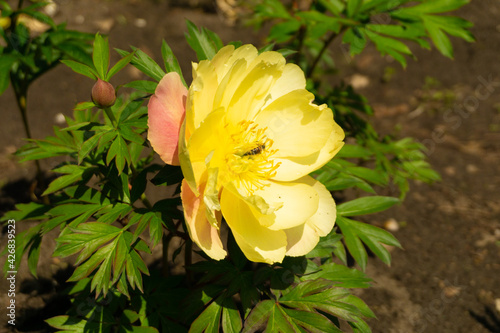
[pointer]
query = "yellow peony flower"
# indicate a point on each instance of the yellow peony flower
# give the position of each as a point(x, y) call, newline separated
point(248, 136)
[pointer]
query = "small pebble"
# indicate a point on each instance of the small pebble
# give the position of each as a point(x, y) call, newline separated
point(391, 225)
point(140, 22)
point(59, 119)
point(471, 168)
point(79, 19)
point(359, 81)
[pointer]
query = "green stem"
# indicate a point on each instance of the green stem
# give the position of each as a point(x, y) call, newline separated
point(301, 35)
point(21, 94)
point(110, 115)
point(320, 54)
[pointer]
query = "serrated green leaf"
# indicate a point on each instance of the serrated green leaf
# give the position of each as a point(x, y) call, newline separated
point(366, 205)
point(100, 56)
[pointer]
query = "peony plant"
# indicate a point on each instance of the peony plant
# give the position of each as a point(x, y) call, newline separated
point(254, 151)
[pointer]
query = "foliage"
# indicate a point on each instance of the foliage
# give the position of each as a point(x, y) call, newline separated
point(99, 204)
point(26, 55)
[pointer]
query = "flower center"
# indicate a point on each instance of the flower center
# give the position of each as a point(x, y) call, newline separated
point(248, 160)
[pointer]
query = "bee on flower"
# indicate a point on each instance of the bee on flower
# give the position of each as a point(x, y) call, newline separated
point(246, 135)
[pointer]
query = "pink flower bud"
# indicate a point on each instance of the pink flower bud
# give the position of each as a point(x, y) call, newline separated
point(103, 94)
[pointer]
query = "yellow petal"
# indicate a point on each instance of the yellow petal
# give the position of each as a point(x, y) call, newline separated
point(254, 86)
point(200, 230)
point(201, 94)
point(298, 199)
point(202, 143)
point(294, 167)
point(258, 243)
point(324, 218)
point(301, 240)
point(292, 79)
point(296, 126)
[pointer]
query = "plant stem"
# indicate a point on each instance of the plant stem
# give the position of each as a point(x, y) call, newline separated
point(301, 35)
point(320, 54)
point(21, 99)
point(110, 115)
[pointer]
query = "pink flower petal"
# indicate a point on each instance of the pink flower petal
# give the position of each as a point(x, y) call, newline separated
point(200, 230)
point(166, 111)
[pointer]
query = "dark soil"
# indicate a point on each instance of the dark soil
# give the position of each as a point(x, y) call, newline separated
point(447, 278)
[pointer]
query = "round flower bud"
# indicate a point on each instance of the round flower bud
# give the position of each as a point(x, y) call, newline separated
point(103, 94)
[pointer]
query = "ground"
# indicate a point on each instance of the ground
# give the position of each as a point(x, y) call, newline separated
point(447, 277)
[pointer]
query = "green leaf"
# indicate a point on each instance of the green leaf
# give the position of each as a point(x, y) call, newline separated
point(73, 173)
point(209, 320)
point(341, 275)
point(170, 61)
point(353, 151)
point(336, 7)
point(38, 16)
point(89, 145)
point(118, 151)
point(439, 6)
point(231, 320)
point(145, 64)
point(312, 321)
point(391, 46)
point(6, 62)
point(100, 56)
point(107, 249)
point(354, 232)
point(34, 254)
point(75, 51)
point(356, 40)
point(119, 65)
point(353, 7)
point(366, 205)
point(142, 85)
point(203, 41)
point(71, 324)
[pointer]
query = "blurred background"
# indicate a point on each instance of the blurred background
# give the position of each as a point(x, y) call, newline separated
point(447, 278)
